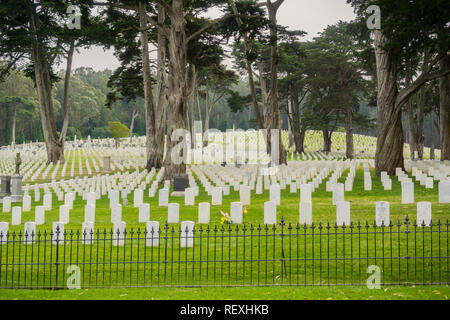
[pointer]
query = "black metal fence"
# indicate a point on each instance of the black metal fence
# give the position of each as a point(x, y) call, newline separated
point(405, 253)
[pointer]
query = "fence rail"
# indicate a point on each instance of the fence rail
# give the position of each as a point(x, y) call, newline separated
point(405, 253)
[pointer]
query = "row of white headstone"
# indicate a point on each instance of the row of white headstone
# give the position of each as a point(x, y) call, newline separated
point(152, 233)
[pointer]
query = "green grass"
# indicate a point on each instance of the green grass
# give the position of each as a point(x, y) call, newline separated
point(248, 293)
point(339, 266)
point(362, 206)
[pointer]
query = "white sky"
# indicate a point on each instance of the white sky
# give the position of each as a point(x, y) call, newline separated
point(311, 16)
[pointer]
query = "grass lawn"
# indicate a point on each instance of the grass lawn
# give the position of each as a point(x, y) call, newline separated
point(248, 293)
point(362, 210)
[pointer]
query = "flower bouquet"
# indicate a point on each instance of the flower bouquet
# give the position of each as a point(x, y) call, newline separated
point(226, 219)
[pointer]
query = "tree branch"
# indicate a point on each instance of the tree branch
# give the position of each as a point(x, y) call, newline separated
point(217, 21)
point(426, 76)
point(116, 5)
point(166, 6)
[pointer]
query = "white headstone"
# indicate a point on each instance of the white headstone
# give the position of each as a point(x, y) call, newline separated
point(189, 197)
point(144, 212)
point(275, 194)
point(382, 214)
point(16, 218)
point(424, 214)
point(3, 232)
point(173, 213)
point(244, 195)
point(338, 193)
point(87, 232)
point(270, 212)
point(343, 213)
point(444, 192)
point(26, 203)
point(236, 212)
point(138, 198)
point(37, 195)
point(89, 213)
point(216, 196)
point(91, 198)
point(367, 183)
point(429, 183)
point(68, 199)
point(204, 212)
point(305, 193)
point(39, 215)
point(293, 188)
point(64, 214)
point(305, 213)
point(187, 234)
point(259, 188)
point(116, 213)
point(119, 233)
point(152, 234)
point(407, 192)
point(48, 201)
point(163, 199)
point(6, 204)
point(29, 232)
point(113, 198)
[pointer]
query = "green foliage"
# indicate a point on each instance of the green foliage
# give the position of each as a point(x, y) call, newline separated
point(101, 132)
point(410, 25)
point(236, 102)
point(118, 130)
point(72, 132)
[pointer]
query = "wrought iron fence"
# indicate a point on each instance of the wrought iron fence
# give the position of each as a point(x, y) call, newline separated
point(228, 255)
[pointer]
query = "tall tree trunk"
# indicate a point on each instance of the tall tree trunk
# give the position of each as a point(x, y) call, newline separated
point(389, 152)
point(420, 138)
point(54, 148)
point(134, 114)
point(207, 112)
point(152, 144)
point(290, 134)
point(192, 104)
point(412, 139)
point(298, 130)
point(274, 58)
point(176, 115)
point(411, 130)
point(65, 106)
point(326, 140)
point(265, 105)
point(444, 101)
point(13, 130)
point(349, 150)
point(432, 126)
point(207, 108)
point(161, 103)
point(249, 69)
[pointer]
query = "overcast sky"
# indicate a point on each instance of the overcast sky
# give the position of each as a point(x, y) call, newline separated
point(311, 16)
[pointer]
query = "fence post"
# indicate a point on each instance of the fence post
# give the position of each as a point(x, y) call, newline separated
point(166, 228)
point(56, 258)
point(283, 262)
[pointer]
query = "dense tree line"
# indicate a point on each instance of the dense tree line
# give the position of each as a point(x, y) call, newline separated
point(401, 67)
point(89, 113)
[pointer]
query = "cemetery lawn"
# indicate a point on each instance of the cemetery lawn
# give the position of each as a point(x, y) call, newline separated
point(248, 293)
point(362, 207)
point(362, 210)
